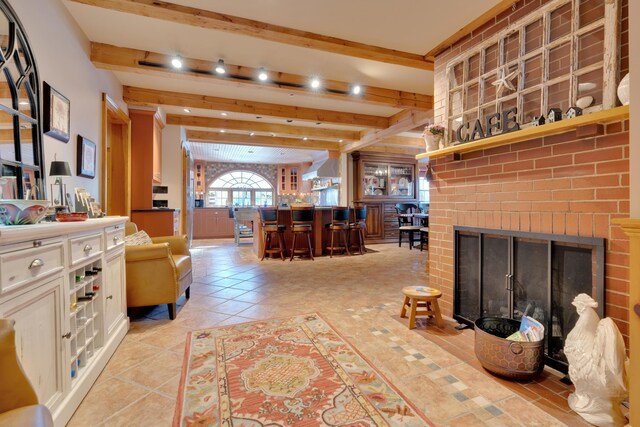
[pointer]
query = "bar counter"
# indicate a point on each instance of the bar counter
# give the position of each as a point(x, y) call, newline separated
point(319, 237)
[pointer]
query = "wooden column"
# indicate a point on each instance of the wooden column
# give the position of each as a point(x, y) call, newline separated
point(631, 226)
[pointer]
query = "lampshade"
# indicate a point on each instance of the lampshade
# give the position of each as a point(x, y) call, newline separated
point(59, 168)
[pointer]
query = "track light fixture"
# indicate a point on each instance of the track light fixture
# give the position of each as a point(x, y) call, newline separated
point(220, 67)
point(262, 74)
point(176, 61)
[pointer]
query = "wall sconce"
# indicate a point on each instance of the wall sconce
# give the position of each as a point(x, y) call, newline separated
point(428, 175)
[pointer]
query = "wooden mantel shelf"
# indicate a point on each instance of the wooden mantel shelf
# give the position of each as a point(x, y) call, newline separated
point(604, 116)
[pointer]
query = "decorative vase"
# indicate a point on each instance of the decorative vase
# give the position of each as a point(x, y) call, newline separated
point(623, 90)
point(432, 141)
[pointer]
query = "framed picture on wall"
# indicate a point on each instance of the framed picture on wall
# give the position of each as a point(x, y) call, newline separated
point(86, 157)
point(56, 114)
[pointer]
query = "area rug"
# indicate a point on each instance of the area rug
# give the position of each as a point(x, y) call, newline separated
point(295, 371)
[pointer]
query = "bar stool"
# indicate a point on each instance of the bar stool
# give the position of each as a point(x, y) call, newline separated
point(359, 226)
point(404, 213)
point(340, 225)
point(421, 297)
point(270, 227)
point(424, 237)
point(302, 223)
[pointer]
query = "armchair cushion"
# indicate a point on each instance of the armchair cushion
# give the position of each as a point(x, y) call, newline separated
point(147, 252)
point(177, 244)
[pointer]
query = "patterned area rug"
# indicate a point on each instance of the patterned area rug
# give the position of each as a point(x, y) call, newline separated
point(294, 371)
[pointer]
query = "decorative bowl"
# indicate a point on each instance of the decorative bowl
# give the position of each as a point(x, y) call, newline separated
point(22, 212)
point(72, 216)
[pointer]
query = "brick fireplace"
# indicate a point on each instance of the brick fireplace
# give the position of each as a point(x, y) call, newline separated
point(571, 184)
point(574, 184)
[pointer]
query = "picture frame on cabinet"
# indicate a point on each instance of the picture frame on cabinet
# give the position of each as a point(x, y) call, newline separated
point(56, 114)
point(86, 157)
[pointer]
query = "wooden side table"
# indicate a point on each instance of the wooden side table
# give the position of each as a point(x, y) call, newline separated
point(421, 297)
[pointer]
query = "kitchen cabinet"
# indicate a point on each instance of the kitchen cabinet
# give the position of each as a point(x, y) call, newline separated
point(157, 222)
point(380, 181)
point(211, 223)
point(146, 156)
point(290, 179)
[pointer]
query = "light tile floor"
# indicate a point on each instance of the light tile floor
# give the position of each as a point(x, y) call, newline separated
point(360, 296)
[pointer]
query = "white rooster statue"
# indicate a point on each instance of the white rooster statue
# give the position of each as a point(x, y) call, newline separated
point(597, 366)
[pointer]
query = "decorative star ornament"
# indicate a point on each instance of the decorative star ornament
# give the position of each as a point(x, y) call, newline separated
point(503, 79)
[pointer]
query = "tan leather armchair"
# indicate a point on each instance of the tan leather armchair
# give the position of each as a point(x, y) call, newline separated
point(158, 273)
point(18, 401)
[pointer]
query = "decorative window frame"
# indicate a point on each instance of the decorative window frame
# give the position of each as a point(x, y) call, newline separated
point(20, 78)
point(609, 23)
point(252, 186)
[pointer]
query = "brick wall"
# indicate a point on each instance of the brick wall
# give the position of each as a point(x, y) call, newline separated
point(573, 184)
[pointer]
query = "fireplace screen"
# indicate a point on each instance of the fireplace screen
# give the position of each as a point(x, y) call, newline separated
point(511, 274)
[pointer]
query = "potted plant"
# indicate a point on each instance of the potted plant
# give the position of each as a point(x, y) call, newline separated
point(433, 136)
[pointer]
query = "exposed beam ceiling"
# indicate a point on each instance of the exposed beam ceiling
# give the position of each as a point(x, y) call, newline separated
point(392, 150)
point(262, 141)
point(404, 141)
point(248, 126)
point(248, 27)
point(401, 122)
point(152, 97)
point(151, 63)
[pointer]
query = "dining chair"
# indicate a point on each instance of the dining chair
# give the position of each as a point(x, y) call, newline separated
point(405, 212)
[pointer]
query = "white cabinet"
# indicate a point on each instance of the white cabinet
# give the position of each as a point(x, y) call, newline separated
point(114, 283)
point(38, 321)
point(64, 285)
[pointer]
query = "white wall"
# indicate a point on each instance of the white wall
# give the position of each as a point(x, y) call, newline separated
point(61, 52)
point(172, 165)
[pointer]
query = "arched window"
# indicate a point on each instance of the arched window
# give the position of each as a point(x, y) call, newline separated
point(20, 145)
point(240, 188)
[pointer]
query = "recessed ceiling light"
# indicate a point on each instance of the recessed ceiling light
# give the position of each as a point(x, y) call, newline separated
point(315, 83)
point(258, 117)
point(224, 114)
point(262, 74)
point(289, 120)
point(252, 133)
point(305, 138)
point(222, 131)
point(340, 140)
point(220, 67)
point(186, 110)
point(273, 134)
point(176, 62)
point(356, 89)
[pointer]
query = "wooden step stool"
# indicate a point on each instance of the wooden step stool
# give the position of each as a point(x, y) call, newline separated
point(421, 297)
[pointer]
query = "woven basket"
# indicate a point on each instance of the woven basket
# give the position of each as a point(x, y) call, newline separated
point(510, 359)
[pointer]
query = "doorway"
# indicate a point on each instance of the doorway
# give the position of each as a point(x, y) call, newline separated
point(116, 155)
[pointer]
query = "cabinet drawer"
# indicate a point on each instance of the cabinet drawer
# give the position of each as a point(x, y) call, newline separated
point(115, 237)
point(85, 247)
point(18, 268)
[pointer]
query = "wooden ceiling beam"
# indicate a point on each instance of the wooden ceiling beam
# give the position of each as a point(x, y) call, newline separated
point(116, 58)
point(248, 126)
point(247, 27)
point(392, 150)
point(260, 141)
point(469, 28)
point(152, 97)
point(402, 141)
point(398, 123)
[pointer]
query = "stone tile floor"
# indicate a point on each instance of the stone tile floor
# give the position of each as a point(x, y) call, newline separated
point(360, 296)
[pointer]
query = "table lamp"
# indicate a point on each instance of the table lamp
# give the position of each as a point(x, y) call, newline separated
point(59, 169)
